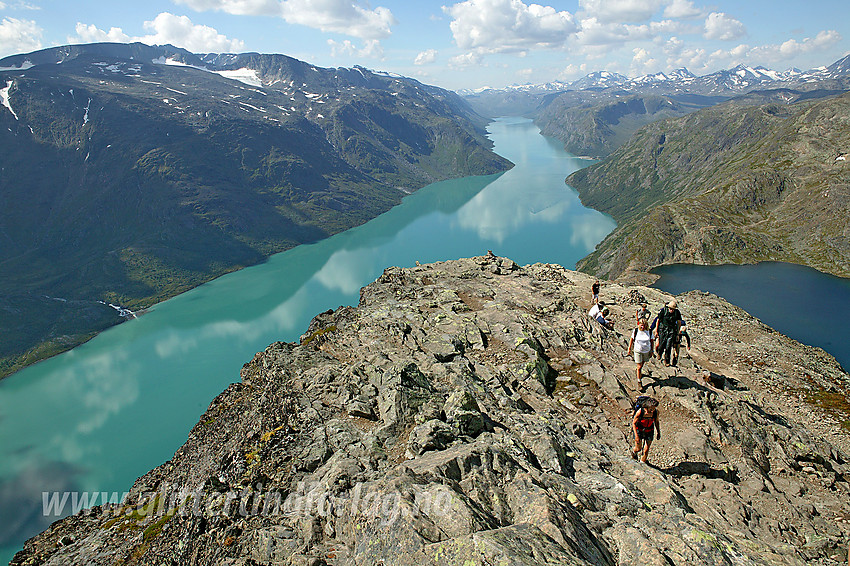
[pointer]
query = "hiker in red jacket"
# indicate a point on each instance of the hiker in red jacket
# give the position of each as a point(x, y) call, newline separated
point(644, 424)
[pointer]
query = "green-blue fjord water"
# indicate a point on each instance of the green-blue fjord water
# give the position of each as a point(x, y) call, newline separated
point(97, 417)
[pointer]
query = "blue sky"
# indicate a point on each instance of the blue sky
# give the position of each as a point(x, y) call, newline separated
point(458, 44)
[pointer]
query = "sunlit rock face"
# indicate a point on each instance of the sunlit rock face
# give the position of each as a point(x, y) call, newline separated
point(470, 412)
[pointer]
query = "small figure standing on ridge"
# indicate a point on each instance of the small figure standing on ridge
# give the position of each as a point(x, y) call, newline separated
point(594, 290)
point(643, 313)
point(669, 322)
point(644, 423)
point(641, 345)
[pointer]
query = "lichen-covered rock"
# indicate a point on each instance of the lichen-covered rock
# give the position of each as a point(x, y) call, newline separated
point(469, 412)
point(462, 411)
point(430, 435)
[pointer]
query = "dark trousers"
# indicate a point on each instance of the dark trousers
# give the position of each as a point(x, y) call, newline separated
point(666, 342)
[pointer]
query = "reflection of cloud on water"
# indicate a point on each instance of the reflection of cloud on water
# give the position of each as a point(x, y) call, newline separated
point(497, 212)
point(98, 388)
point(589, 230)
point(347, 271)
point(281, 319)
point(21, 499)
point(175, 343)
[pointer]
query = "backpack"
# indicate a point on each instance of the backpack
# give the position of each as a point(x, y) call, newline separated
point(642, 401)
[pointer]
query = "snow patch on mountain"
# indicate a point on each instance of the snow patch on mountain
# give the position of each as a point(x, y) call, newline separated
point(247, 76)
point(24, 66)
point(4, 97)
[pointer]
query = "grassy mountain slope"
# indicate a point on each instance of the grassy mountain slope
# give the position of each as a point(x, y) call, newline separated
point(728, 184)
point(129, 180)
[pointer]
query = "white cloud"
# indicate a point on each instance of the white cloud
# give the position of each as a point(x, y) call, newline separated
point(682, 10)
point(426, 57)
point(165, 28)
point(342, 48)
point(620, 10)
point(235, 7)
point(680, 55)
point(19, 36)
point(180, 31)
point(492, 26)
point(822, 40)
point(19, 6)
point(371, 49)
point(700, 61)
point(720, 26)
point(572, 71)
point(781, 54)
point(345, 17)
point(92, 34)
point(643, 62)
point(471, 59)
point(594, 32)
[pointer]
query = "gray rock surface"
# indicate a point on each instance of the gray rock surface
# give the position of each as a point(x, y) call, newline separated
point(469, 412)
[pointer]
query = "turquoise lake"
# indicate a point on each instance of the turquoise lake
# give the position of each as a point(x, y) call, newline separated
point(97, 417)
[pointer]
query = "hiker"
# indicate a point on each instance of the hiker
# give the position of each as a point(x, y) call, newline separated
point(641, 346)
point(602, 318)
point(644, 423)
point(643, 312)
point(683, 335)
point(594, 290)
point(595, 309)
point(669, 322)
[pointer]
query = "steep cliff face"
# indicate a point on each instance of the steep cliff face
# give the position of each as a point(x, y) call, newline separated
point(469, 412)
point(597, 125)
point(729, 184)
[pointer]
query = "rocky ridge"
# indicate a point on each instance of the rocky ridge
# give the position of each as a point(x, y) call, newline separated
point(469, 412)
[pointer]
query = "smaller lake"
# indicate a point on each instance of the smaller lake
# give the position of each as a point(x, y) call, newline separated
point(803, 303)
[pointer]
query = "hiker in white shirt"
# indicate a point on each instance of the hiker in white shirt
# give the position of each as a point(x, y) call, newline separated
point(640, 345)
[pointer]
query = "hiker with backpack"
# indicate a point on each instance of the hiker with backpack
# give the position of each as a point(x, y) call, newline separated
point(644, 424)
point(683, 337)
point(594, 291)
point(641, 345)
point(643, 312)
point(669, 323)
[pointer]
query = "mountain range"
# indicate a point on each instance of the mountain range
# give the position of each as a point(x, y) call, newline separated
point(132, 173)
point(595, 114)
point(738, 79)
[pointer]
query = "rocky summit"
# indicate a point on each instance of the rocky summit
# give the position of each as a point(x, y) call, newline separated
point(470, 412)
